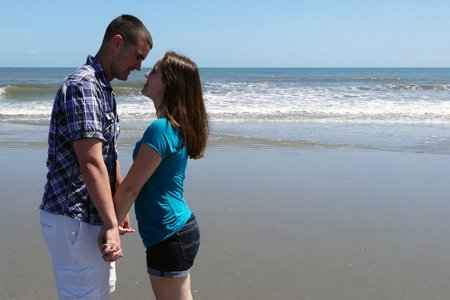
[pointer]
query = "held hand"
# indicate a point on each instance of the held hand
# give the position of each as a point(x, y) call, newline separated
point(109, 244)
point(125, 227)
point(109, 254)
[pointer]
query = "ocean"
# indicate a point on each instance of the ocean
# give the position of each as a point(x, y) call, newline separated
point(389, 109)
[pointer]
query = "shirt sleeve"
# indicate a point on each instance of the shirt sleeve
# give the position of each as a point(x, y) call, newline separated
point(159, 136)
point(84, 111)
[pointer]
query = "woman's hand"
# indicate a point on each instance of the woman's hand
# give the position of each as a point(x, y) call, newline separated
point(125, 227)
point(109, 244)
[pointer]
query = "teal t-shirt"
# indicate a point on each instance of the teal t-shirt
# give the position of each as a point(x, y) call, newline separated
point(160, 208)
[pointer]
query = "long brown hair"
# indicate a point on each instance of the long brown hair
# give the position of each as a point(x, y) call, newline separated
point(183, 102)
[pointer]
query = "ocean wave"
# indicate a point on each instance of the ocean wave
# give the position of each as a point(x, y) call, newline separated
point(286, 105)
point(264, 87)
point(28, 92)
point(248, 100)
point(406, 87)
point(425, 118)
point(293, 108)
point(39, 91)
point(250, 91)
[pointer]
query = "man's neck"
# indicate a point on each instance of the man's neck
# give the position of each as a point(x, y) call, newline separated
point(105, 64)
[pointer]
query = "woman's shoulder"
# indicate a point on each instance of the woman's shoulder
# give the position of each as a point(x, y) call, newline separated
point(159, 124)
point(162, 136)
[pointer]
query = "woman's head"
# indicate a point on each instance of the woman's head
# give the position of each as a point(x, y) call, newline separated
point(182, 100)
point(182, 82)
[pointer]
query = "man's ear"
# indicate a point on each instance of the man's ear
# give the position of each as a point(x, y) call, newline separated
point(116, 41)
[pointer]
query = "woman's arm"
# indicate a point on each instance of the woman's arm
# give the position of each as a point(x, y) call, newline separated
point(145, 164)
point(125, 226)
point(118, 174)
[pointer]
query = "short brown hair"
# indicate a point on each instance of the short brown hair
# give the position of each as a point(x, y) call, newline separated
point(130, 28)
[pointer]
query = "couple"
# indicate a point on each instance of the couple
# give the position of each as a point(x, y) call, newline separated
point(85, 204)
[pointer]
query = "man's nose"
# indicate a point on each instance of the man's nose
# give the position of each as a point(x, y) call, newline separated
point(137, 66)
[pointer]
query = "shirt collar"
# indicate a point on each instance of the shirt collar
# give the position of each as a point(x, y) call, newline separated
point(99, 72)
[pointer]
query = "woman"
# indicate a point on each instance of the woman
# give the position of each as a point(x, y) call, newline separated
point(166, 225)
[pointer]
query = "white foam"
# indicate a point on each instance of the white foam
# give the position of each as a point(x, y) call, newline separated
point(267, 102)
point(3, 90)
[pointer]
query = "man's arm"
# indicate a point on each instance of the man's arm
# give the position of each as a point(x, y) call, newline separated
point(95, 176)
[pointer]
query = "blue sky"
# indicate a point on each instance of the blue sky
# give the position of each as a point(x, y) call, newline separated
point(278, 33)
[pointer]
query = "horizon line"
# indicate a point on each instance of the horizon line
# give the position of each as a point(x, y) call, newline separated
point(304, 67)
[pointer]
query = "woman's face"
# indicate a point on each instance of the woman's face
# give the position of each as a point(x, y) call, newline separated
point(154, 87)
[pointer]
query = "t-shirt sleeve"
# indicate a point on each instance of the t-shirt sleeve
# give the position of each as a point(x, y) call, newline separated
point(84, 111)
point(157, 136)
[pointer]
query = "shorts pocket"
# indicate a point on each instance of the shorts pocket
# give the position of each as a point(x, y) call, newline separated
point(189, 239)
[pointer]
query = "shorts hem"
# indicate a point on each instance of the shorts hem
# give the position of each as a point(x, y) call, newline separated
point(169, 274)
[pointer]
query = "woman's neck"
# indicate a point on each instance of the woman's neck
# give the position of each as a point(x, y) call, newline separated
point(161, 113)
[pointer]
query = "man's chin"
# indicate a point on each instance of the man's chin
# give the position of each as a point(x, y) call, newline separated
point(124, 75)
point(123, 78)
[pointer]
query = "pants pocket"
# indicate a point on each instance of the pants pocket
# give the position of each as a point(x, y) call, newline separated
point(77, 283)
point(72, 227)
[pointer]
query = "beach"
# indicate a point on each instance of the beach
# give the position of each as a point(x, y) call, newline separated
point(317, 184)
point(326, 172)
point(277, 222)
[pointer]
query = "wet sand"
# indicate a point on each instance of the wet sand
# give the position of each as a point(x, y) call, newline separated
point(277, 222)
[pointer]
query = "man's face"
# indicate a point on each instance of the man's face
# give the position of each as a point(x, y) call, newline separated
point(129, 57)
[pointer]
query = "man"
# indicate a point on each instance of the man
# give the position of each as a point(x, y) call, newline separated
point(77, 207)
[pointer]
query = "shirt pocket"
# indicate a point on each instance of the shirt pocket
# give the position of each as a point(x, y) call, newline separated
point(110, 127)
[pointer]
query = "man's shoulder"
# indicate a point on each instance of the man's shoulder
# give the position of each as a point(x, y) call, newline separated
point(84, 73)
point(83, 79)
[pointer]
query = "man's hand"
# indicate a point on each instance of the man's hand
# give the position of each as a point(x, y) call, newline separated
point(109, 244)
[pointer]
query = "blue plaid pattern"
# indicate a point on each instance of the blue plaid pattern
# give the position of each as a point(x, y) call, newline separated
point(84, 107)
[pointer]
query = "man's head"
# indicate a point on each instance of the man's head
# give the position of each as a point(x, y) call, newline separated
point(125, 45)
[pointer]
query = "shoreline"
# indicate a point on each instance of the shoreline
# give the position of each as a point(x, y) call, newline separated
point(276, 223)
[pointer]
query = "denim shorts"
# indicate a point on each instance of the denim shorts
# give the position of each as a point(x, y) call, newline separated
point(174, 257)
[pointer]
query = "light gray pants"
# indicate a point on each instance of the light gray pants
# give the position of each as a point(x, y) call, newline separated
point(80, 272)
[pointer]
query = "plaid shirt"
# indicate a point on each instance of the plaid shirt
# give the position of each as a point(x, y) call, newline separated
point(84, 107)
